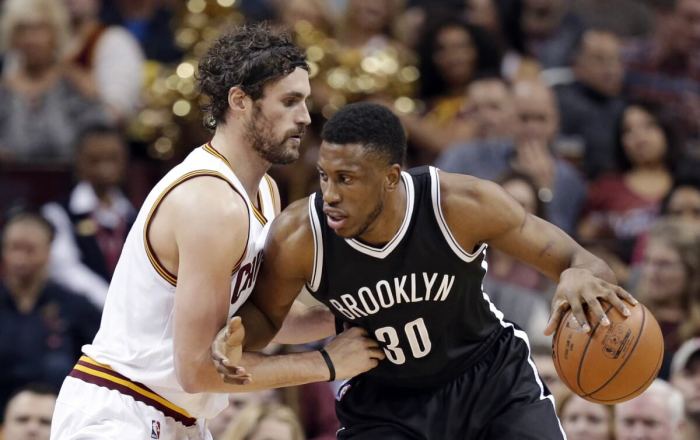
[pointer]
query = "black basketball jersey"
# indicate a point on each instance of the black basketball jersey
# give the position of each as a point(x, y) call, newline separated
point(420, 295)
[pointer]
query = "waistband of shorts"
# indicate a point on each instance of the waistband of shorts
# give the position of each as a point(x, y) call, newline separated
point(90, 371)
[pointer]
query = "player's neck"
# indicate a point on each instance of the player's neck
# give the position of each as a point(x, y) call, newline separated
point(246, 163)
point(389, 220)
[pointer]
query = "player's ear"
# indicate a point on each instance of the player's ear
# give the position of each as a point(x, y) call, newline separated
point(393, 177)
point(237, 99)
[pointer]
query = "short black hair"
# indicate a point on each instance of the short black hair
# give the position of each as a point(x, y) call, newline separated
point(681, 181)
point(22, 214)
point(373, 126)
point(97, 129)
point(249, 57)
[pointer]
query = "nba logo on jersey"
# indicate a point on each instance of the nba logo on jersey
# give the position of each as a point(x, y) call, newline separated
point(155, 429)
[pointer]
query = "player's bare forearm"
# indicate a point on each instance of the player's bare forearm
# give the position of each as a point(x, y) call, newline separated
point(275, 371)
point(306, 324)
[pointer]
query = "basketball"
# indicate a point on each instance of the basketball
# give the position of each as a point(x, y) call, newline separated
point(609, 364)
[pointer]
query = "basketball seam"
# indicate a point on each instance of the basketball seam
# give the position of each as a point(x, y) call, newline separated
point(641, 387)
point(585, 351)
point(560, 370)
point(639, 337)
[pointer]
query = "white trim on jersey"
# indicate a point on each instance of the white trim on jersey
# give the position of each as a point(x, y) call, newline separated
point(439, 216)
point(315, 280)
point(521, 335)
point(386, 250)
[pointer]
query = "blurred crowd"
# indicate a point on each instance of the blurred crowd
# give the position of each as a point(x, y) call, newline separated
point(586, 111)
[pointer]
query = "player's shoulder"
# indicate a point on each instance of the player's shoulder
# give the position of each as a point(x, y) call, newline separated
point(466, 190)
point(208, 196)
point(292, 224)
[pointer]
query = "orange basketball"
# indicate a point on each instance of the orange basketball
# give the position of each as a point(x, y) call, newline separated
point(609, 364)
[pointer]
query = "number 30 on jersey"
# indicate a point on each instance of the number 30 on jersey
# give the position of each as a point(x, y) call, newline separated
point(418, 340)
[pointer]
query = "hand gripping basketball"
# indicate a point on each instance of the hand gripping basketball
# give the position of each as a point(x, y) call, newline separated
point(579, 287)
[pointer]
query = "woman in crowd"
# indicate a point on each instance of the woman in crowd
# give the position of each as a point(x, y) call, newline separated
point(624, 204)
point(43, 106)
point(669, 282)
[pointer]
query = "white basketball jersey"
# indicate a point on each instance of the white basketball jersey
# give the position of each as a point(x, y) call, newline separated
point(136, 334)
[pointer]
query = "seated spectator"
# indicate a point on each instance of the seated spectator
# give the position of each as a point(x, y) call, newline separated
point(683, 200)
point(629, 18)
point(501, 19)
point(490, 108)
point(656, 414)
point(28, 413)
point(264, 422)
point(531, 152)
point(452, 53)
point(582, 419)
point(236, 403)
point(108, 58)
point(685, 376)
point(550, 31)
point(591, 105)
point(42, 325)
point(624, 204)
point(669, 283)
point(542, 357)
point(93, 221)
point(43, 107)
point(664, 69)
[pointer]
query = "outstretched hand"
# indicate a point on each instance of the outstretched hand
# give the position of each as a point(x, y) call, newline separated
point(227, 351)
point(578, 287)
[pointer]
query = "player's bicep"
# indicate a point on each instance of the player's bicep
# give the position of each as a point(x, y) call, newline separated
point(525, 236)
point(211, 232)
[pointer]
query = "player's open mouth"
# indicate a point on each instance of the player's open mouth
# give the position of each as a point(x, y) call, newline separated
point(335, 219)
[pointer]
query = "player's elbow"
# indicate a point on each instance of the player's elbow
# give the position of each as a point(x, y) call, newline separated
point(189, 377)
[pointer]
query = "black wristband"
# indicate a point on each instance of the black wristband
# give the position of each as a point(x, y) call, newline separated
point(329, 363)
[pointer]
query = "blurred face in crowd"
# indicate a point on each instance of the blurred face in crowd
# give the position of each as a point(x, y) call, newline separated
point(536, 115)
point(687, 381)
point(25, 250)
point(454, 55)
point(277, 121)
point(28, 417)
point(663, 275)
point(541, 17)
point(599, 63)
point(584, 420)
point(34, 39)
point(236, 402)
point(686, 26)
point(271, 428)
point(82, 9)
point(483, 13)
point(643, 139)
point(369, 15)
point(102, 161)
point(490, 108)
point(547, 371)
point(646, 417)
point(523, 193)
point(685, 204)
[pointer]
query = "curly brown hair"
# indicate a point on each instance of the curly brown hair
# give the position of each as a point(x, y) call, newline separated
point(249, 57)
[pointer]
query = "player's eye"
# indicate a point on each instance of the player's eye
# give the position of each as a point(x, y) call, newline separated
point(346, 180)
